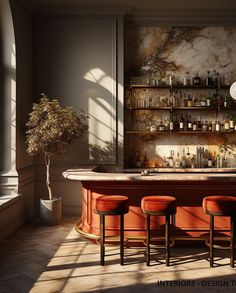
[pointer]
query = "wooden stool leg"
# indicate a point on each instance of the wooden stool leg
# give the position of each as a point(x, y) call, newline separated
point(167, 236)
point(232, 241)
point(172, 222)
point(211, 240)
point(148, 241)
point(122, 239)
point(102, 239)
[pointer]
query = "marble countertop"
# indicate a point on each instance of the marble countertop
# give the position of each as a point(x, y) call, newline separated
point(90, 174)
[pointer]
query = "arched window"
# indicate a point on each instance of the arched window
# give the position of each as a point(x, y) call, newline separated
point(8, 174)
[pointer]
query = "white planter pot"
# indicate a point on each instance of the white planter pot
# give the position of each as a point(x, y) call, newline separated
point(50, 211)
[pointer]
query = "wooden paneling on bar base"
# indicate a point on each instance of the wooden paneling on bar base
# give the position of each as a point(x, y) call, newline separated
point(190, 220)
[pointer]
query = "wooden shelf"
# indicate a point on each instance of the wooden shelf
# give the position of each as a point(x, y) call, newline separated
point(177, 132)
point(179, 86)
point(172, 108)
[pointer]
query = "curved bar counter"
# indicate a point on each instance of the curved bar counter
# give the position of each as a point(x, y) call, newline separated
point(188, 188)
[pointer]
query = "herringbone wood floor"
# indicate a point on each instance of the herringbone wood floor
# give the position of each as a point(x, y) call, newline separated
point(40, 259)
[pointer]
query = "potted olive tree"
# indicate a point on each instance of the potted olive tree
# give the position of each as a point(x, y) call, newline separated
point(50, 129)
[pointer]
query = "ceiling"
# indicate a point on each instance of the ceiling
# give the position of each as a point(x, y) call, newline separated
point(219, 5)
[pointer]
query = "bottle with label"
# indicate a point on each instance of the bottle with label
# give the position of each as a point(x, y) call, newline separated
point(226, 102)
point(161, 125)
point(217, 126)
point(171, 125)
point(189, 101)
point(196, 80)
point(166, 125)
point(227, 124)
point(181, 123)
point(194, 125)
point(205, 125)
point(153, 128)
point(177, 161)
point(231, 124)
point(210, 125)
point(189, 124)
point(208, 101)
point(209, 161)
point(199, 124)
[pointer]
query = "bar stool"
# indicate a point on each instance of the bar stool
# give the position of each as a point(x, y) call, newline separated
point(221, 206)
point(158, 205)
point(111, 205)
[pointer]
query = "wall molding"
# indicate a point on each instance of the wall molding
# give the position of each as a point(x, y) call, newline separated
point(181, 17)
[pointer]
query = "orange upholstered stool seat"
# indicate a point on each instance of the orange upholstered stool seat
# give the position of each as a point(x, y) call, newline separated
point(111, 205)
point(158, 205)
point(221, 205)
point(153, 203)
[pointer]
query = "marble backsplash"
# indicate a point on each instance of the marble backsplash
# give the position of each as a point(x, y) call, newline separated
point(160, 52)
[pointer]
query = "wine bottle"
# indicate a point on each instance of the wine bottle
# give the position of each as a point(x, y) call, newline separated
point(181, 123)
point(208, 79)
point(196, 80)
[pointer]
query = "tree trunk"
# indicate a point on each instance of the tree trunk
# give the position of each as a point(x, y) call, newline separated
point(48, 183)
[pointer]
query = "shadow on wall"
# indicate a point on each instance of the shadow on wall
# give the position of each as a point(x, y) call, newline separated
point(103, 154)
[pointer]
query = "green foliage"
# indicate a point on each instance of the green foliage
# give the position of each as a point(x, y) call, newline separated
point(51, 128)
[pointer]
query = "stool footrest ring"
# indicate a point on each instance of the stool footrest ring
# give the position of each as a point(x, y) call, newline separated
point(112, 241)
point(218, 246)
point(156, 239)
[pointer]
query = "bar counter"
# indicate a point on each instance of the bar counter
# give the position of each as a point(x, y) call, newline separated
point(189, 189)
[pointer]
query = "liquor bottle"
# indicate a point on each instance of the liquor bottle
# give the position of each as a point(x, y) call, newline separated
point(166, 125)
point(208, 101)
point(177, 161)
point(199, 124)
point(217, 126)
point(171, 159)
point(171, 125)
point(183, 159)
point(196, 80)
point(215, 78)
point(208, 79)
point(190, 124)
point(153, 128)
point(181, 123)
point(161, 125)
point(209, 161)
point(227, 124)
point(185, 79)
point(225, 102)
point(231, 124)
point(189, 101)
point(210, 126)
point(213, 126)
point(205, 125)
point(188, 78)
point(194, 125)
